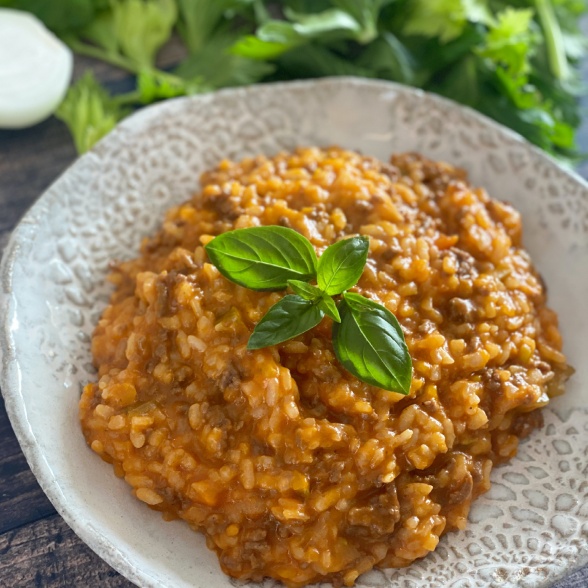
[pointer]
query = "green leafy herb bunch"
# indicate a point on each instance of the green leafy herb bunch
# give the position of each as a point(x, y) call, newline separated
point(516, 61)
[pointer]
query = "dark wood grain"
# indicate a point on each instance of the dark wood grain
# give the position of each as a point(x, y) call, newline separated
point(8, 444)
point(37, 548)
point(47, 554)
point(22, 500)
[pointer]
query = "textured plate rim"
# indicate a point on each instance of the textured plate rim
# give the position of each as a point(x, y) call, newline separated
point(10, 384)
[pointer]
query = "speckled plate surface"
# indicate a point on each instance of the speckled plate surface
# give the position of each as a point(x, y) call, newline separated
point(529, 530)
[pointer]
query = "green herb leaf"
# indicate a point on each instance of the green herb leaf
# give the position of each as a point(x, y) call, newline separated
point(275, 37)
point(58, 15)
point(260, 11)
point(200, 19)
point(305, 290)
point(311, 61)
point(272, 39)
point(156, 85)
point(341, 265)
point(309, 6)
point(129, 34)
point(263, 258)
point(290, 317)
point(89, 112)
point(328, 306)
point(445, 19)
point(366, 13)
point(141, 27)
point(554, 42)
point(511, 41)
point(391, 59)
point(218, 67)
point(370, 344)
point(314, 294)
point(461, 82)
point(315, 25)
point(251, 47)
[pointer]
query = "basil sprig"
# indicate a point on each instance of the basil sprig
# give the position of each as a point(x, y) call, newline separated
point(367, 338)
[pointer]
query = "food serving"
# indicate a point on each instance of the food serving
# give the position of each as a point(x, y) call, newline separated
point(291, 465)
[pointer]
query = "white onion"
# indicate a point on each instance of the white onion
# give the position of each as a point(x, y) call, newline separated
point(35, 70)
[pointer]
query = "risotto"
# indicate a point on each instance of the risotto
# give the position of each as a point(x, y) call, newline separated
point(291, 467)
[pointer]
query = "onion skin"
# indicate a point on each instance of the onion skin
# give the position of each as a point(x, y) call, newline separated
point(35, 70)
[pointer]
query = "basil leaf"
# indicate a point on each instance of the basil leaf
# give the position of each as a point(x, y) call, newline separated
point(341, 265)
point(370, 344)
point(305, 290)
point(328, 306)
point(288, 318)
point(263, 258)
point(323, 301)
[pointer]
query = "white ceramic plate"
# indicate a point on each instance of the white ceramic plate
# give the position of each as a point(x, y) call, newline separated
point(529, 530)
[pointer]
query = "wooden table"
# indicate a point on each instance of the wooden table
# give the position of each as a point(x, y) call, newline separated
point(37, 548)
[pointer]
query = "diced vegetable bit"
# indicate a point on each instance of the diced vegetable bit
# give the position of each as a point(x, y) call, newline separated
point(35, 69)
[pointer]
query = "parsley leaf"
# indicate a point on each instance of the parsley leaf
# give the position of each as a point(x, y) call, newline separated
point(89, 112)
point(220, 67)
point(445, 19)
point(58, 15)
point(313, 61)
point(129, 34)
point(275, 37)
point(141, 27)
point(153, 85)
point(390, 59)
point(200, 19)
point(511, 41)
point(366, 13)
